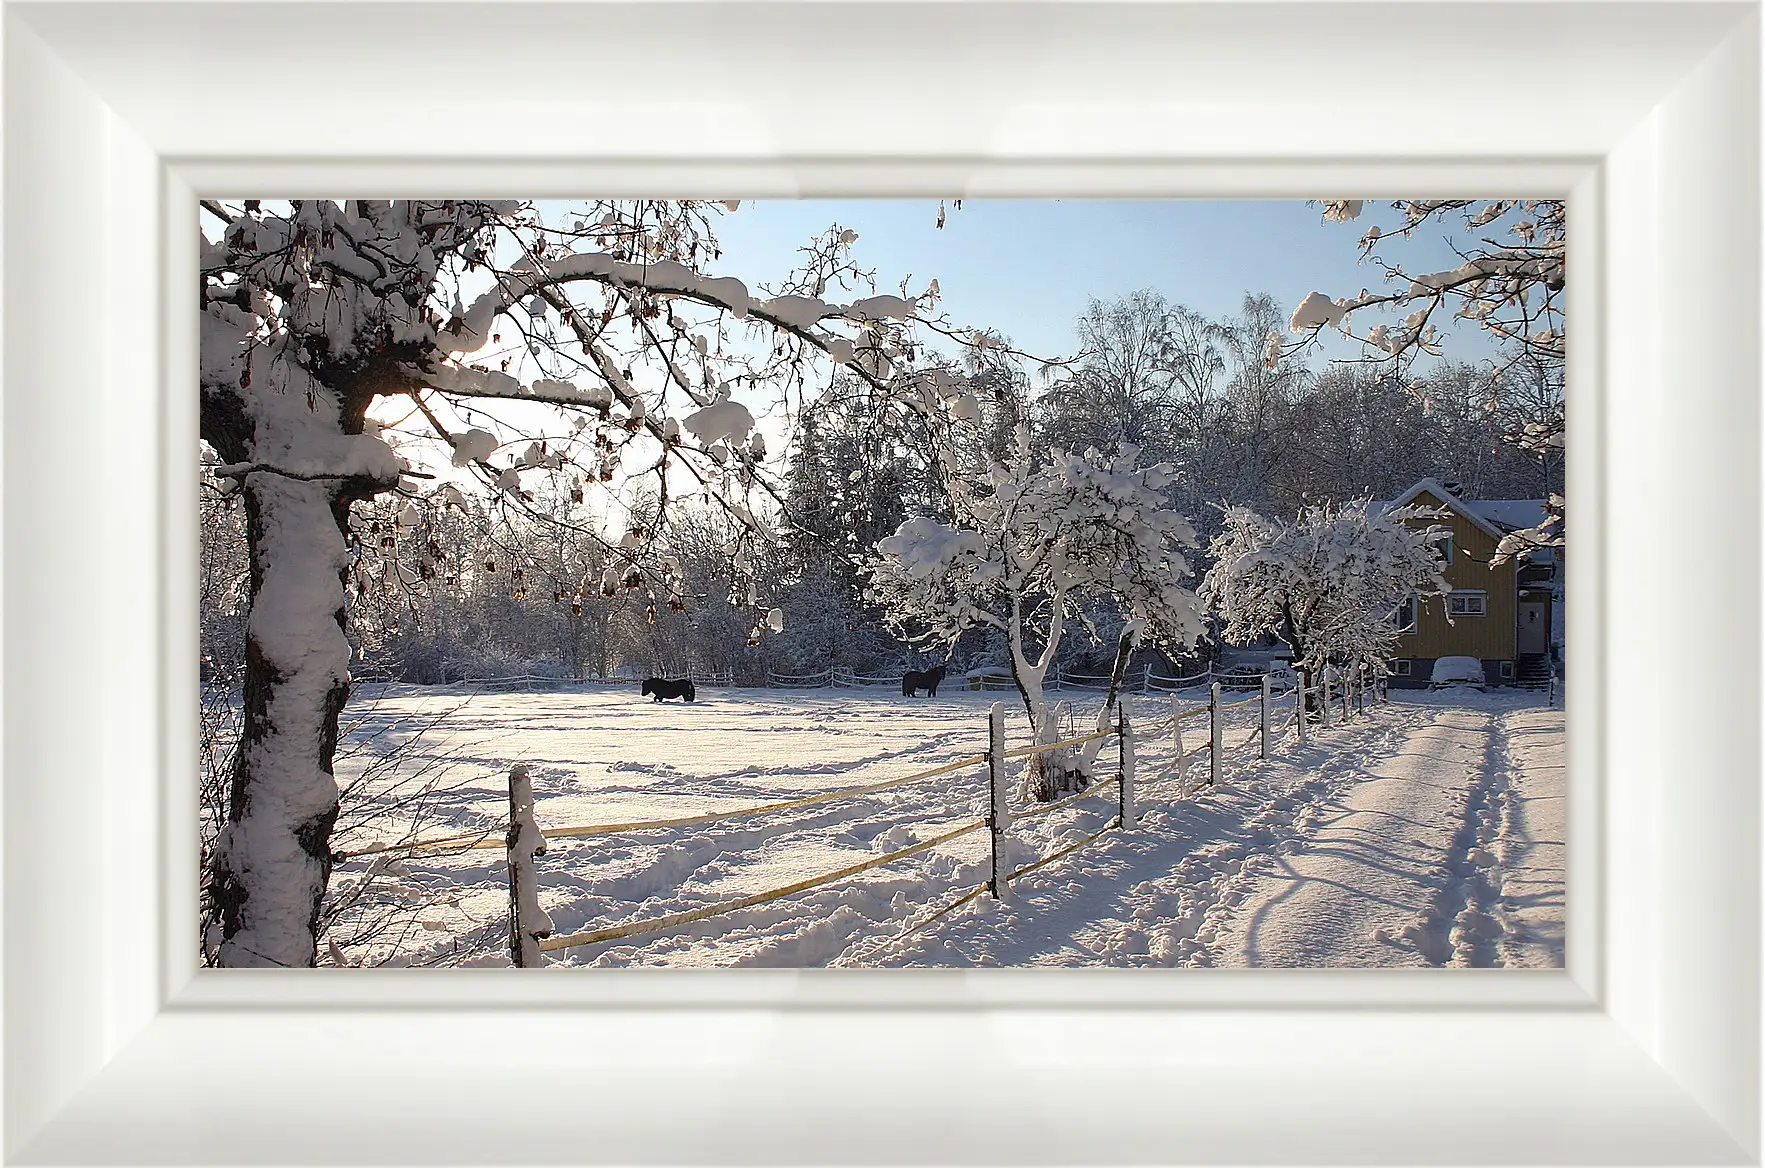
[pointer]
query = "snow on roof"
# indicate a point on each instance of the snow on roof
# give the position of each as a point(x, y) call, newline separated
point(1513, 514)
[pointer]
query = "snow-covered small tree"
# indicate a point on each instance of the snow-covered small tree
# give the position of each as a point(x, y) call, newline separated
point(1034, 539)
point(1330, 583)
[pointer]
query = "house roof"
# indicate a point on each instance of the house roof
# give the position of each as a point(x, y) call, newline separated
point(1468, 509)
point(1496, 517)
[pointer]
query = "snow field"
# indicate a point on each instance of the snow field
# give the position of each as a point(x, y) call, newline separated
point(1166, 891)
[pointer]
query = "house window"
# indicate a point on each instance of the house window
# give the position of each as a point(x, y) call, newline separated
point(1467, 604)
point(1507, 671)
point(1444, 544)
point(1400, 668)
point(1406, 615)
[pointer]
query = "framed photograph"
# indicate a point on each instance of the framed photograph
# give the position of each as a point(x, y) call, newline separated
point(136, 133)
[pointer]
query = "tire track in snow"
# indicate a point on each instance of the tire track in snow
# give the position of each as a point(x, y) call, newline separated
point(1461, 928)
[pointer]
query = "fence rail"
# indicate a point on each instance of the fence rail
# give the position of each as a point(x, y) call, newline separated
point(634, 928)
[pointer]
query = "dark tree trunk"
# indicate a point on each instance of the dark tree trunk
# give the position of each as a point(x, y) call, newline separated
point(1124, 649)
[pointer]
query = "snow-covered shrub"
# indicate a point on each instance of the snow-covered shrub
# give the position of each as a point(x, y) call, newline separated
point(1329, 583)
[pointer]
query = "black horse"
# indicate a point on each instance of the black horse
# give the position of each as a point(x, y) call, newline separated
point(662, 688)
point(926, 680)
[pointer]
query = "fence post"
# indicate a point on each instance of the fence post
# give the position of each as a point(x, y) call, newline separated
point(1303, 691)
point(1125, 730)
point(998, 815)
point(1347, 712)
point(1265, 717)
point(1324, 696)
point(1217, 739)
point(527, 921)
point(1177, 731)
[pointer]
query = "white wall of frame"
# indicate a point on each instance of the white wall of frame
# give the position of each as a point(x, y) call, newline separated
point(117, 1049)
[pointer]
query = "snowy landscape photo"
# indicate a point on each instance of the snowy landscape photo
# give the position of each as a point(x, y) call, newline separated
point(882, 583)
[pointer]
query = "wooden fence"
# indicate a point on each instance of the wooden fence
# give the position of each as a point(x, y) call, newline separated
point(530, 930)
point(1141, 681)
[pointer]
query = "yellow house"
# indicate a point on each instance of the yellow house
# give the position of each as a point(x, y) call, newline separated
point(1500, 614)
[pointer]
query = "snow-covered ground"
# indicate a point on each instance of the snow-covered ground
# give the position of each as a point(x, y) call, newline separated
point(1429, 831)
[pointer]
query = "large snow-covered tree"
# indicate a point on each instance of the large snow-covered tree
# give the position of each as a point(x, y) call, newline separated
point(346, 346)
point(1034, 539)
point(1330, 583)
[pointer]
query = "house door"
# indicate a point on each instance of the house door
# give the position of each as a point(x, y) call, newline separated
point(1534, 630)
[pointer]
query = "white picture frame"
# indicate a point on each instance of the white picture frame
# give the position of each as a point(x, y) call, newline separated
point(117, 1049)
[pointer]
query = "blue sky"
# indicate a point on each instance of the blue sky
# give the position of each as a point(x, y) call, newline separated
point(1027, 268)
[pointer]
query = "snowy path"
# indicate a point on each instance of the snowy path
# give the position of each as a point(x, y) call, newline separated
point(1449, 853)
point(1369, 884)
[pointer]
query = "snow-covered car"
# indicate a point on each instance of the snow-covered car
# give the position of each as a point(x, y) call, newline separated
point(1457, 671)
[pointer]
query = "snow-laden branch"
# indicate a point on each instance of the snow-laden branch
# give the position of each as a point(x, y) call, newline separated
point(1510, 287)
point(1548, 534)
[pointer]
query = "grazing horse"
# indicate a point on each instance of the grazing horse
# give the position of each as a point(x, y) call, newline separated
point(662, 688)
point(926, 680)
